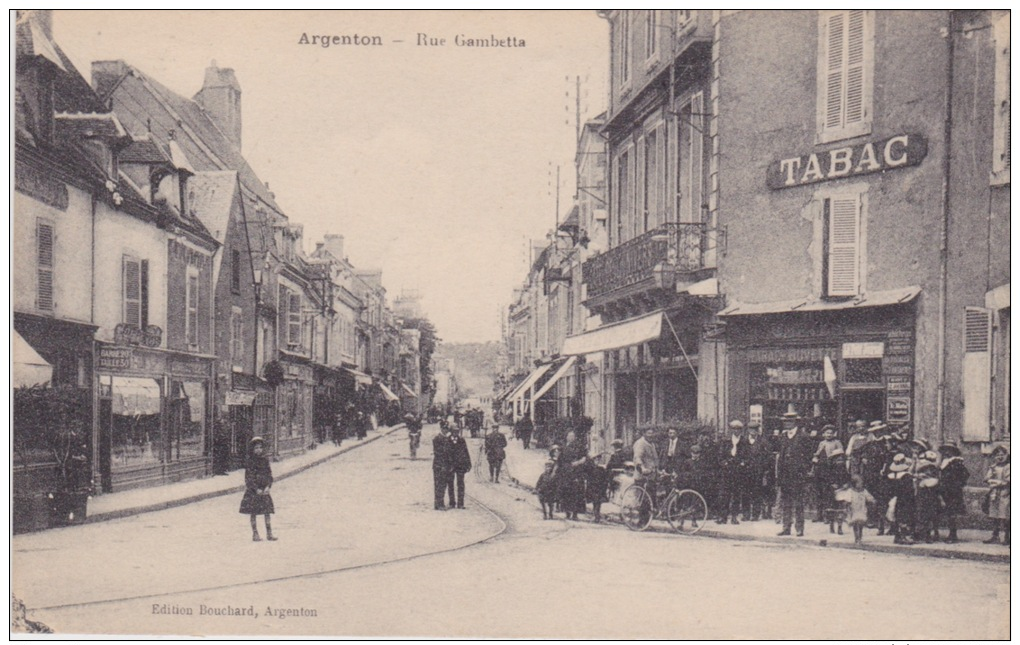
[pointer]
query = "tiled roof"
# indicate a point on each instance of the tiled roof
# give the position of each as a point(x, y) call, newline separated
point(143, 150)
point(71, 92)
point(89, 125)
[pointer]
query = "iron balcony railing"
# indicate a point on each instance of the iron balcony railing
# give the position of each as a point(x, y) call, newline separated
point(676, 246)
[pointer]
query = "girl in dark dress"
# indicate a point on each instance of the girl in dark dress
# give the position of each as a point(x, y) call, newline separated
point(258, 479)
point(951, 482)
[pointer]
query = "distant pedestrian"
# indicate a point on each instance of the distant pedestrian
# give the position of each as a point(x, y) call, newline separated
point(572, 476)
point(997, 480)
point(952, 479)
point(460, 463)
point(524, 429)
point(258, 479)
point(546, 489)
point(495, 452)
point(442, 468)
point(857, 500)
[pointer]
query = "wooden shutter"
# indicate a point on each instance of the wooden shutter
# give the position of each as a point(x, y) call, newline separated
point(44, 265)
point(855, 43)
point(294, 320)
point(191, 321)
point(282, 305)
point(143, 278)
point(131, 278)
point(834, 69)
point(844, 245)
point(977, 374)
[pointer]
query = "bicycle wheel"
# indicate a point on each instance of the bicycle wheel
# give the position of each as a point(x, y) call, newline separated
point(687, 512)
point(636, 508)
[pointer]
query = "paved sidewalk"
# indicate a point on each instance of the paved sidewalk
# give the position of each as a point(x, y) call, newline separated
point(143, 500)
point(525, 466)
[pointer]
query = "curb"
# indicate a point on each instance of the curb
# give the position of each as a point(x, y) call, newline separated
point(160, 506)
point(915, 550)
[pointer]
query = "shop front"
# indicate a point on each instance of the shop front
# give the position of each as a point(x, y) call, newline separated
point(832, 364)
point(154, 416)
point(334, 388)
point(250, 413)
point(295, 405)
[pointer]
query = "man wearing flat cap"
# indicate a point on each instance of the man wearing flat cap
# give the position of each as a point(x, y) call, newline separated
point(795, 452)
point(735, 465)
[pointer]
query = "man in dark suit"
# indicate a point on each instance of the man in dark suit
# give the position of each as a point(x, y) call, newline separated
point(760, 459)
point(795, 452)
point(460, 463)
point(735, 467)
point(442, 469)
point(672, 452)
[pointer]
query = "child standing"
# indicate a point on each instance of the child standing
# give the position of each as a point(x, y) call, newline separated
point(546, 488)
point(258, 479)
point(952, 479)
point(997, 480)
point(858, 499)
point(927, 500)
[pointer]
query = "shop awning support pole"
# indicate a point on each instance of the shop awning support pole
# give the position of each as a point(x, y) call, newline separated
point(684, 351)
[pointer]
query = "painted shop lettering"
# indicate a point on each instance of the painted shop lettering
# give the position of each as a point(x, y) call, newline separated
point(865, 158)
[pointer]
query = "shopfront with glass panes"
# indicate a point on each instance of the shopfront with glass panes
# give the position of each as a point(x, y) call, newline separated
point(153, 421)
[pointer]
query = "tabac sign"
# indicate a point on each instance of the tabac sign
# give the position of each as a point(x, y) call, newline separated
point(900, 151)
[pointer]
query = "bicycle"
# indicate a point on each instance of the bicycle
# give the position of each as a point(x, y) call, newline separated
point(685, 509)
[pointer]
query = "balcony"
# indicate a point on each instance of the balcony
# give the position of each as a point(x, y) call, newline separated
point(648, 262)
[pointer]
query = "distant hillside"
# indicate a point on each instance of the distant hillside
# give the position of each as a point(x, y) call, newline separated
point(476, 365)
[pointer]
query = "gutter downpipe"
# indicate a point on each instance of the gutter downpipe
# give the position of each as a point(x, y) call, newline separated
point(940, 401)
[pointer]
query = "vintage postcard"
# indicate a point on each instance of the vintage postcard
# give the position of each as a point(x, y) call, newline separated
point(615, 324)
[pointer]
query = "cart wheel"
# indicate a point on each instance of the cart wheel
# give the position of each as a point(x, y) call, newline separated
point(687, 512)
point(636, 508)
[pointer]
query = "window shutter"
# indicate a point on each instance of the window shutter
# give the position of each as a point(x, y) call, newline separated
point(131, 276)
point(192, 314)
point(977, 373)
point(844, 246)
point(44, 266)
point(697, 156)
point(143, 289)
point(855, 68)
point(294, 322)
point(282, 304)
point(834, 64)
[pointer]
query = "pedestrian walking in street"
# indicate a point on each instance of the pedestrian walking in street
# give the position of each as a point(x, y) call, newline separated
point(258, 479)
point(596, 486)
point(997, 480)
point(735, 466)
point(546, 489)
point(857, 500)
point(495, 452)
point(460, 463)
point(952, 479)
point(794, 461)
point(524, 429)
point(442, 467)
point(572, 476)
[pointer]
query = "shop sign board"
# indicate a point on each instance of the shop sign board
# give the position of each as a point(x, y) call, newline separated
point(865, 158)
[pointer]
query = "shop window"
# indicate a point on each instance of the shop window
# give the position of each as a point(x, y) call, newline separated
point(841, 272)
point(977, 373)
point(187, 419)
point(136, 438)
point(863, 371)
point(1001, 117)
point(845, 70)
point(44, 239)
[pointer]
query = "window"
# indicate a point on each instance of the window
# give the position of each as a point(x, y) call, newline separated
point(191, 302)
point(236, 332)
point(44, 239)
point(1000, 147)
point(235, 271)
point(625, 48)
point(977, 373)
point(845, 70)
point(842, 242)
point(684, 17)
point(624, 196)
point(651, 33)
point(691, 174)
point(653, 180)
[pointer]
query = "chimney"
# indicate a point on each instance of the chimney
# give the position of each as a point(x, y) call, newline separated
point(335, 245)
point(220, 97)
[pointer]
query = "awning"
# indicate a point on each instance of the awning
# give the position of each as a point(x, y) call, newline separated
point(240, 397)
point(359, 377)
point(564, 368)
point(506, 392)
point(872, 299)
point(706, 287)
point(388, 392)
point(409, 391)
point(28, 368)
point(528, 382)
point(615, 336)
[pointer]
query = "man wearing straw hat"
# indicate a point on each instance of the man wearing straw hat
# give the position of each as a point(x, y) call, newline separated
point(795, 450)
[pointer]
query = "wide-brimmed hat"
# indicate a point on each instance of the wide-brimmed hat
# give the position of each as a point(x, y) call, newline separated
point(875, 426)
point(900, 463)
point(736, 424)
point(255, 440)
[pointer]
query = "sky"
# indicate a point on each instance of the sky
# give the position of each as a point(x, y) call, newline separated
point(437, 163)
